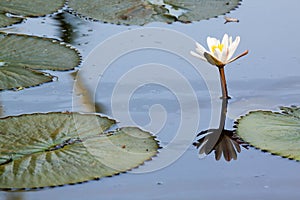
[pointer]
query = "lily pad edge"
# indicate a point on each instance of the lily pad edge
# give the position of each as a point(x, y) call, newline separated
point(41, 71)
point(54, 12)
point(280, 111)
point(176, 19)
point(110, 130)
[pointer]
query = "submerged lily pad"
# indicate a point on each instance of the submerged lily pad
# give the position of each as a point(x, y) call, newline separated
point(140, 12)
point(21, 56)
point(52, 149)
point(274, 132)
point(14, 11)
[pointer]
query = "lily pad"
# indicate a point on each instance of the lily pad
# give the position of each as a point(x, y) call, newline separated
point(52, 149)
point(21, 56)
point(19, 77)
point(202, 9)
point(14, 11)
point(140, 12)
point(274, 132)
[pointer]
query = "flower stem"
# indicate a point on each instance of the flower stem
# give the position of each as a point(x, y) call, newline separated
point(223, 83)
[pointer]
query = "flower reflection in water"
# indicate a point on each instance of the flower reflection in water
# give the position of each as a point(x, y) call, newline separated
point(227, 143)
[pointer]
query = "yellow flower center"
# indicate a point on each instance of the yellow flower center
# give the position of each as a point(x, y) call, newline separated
point(220, 47)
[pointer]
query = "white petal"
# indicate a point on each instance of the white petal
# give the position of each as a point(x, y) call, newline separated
point(198, 56)
point(233, 47)
point(224, 54)
point(225, 40)
point(212, 42)
point(217, 54)
point(200, 49)
point(230, 41)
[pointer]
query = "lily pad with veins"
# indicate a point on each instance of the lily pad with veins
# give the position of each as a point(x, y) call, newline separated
point(14, 11)
point(52, 149)
point(140, 12)
point(21, 56)
point(274, 132)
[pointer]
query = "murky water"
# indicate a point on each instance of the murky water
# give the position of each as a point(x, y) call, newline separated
point(266, 78)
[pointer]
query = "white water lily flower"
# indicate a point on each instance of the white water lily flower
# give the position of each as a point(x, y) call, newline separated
point(219, 53)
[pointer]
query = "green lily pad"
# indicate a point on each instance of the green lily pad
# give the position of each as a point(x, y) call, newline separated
point(6, 21)
point(21, 56)
point(14, 11)
point(140, 12)
point(274, 132)
point(202, 9)
point(52, 149)
point(19, 77)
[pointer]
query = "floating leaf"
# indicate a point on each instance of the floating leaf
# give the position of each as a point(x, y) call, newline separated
point(6, 21)
point(274, 132)
point(202, 9)
point(14, 11)
point(21, 55)
point(120, 12)
point(18, 77)
point(39, 150)
point(140, 12)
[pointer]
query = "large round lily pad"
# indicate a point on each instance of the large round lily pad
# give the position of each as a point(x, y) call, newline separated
point(274, 132)
point(14, 11)
point(140, 12)
point(21, 56)
point(38, 150)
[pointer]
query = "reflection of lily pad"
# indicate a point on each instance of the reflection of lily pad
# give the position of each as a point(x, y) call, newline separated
point(21, 55)
point(39, 150)
point(140, 12)
point(14, 11)
point(277, 133)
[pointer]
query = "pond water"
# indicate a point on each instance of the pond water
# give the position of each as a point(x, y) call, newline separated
point(268, 77)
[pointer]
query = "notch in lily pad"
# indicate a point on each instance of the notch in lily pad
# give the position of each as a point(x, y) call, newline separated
point(22, 56)
point(274, 132)
point(53, 149)
point(15, 11)
point(141, 12)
